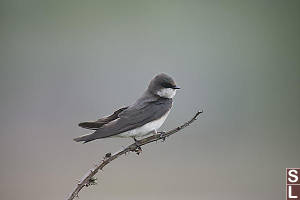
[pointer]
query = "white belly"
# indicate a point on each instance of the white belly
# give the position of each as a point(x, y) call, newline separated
point(145, 129)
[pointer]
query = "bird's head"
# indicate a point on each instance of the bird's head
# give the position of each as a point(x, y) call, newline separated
point(163, 86)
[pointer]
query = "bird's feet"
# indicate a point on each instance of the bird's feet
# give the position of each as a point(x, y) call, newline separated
point(138, 149)
point(163, 136)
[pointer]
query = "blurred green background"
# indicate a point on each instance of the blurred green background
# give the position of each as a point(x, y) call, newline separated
point(63, 62)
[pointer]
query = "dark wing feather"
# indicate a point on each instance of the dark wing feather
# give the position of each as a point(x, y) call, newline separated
point(133, 117)
point(102, 121)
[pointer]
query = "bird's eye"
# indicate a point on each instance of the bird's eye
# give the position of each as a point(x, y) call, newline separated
point(167, 85)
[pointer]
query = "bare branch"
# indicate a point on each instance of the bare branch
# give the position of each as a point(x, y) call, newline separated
point(89, 179)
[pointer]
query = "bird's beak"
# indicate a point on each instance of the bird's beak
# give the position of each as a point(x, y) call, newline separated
point(176, 88)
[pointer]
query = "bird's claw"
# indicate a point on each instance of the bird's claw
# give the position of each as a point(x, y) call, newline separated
point(138, 148)
point(163, 136)
point(91, 181)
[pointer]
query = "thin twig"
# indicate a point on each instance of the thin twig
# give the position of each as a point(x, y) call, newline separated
point(89, 179)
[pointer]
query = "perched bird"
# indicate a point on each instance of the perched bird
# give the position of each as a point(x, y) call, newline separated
point(142, 118)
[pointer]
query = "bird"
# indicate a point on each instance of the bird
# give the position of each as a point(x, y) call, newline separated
point(142, 118)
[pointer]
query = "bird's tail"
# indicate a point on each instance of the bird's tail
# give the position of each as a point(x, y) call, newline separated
point(85, 138)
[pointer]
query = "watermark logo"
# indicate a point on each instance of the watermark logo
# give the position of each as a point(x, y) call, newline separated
point(293, 183)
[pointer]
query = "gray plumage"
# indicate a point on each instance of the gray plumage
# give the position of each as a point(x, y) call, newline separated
point(153, 105)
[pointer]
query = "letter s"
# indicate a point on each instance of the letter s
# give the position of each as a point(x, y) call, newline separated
point(293, 173)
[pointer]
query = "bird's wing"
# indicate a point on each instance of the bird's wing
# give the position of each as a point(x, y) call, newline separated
point(133, 117)
point(102, 121)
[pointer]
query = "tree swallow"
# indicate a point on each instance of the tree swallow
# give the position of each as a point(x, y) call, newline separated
point(142, 118)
